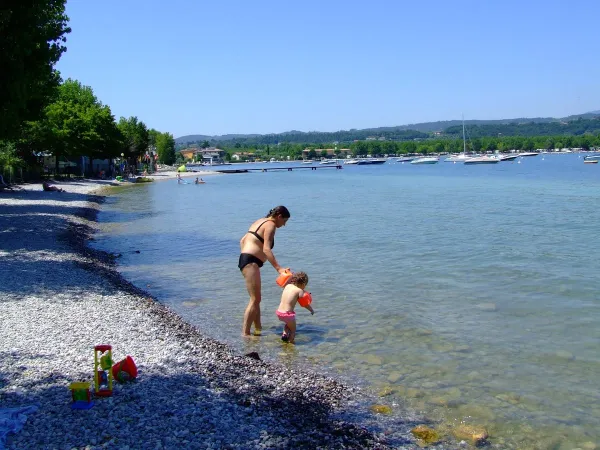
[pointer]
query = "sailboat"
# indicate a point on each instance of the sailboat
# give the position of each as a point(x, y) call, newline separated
point(461, 157)
point(477, 159)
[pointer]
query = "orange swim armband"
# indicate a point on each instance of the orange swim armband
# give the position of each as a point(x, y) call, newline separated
point(305, 300)
point(284, 277)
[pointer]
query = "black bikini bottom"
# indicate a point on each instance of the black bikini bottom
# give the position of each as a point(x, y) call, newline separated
point(247, 258)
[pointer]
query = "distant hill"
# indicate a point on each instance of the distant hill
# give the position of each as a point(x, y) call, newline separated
point(408, 132)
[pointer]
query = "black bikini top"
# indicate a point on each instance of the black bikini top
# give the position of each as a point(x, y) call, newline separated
point(262, 241)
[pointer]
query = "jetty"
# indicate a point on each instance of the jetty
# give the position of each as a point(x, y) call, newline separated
point(271, 169)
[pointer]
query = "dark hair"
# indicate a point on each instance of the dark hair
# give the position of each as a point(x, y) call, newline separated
point(279, 210)
point(299, 278)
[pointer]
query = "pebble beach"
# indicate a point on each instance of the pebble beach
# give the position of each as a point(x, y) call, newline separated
point(59, 298)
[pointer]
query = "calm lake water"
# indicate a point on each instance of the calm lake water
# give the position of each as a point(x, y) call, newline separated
point(470, 292)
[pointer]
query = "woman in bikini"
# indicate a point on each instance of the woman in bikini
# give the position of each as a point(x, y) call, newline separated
point(256, 247)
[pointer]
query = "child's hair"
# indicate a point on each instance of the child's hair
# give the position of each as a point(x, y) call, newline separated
point(299, 278)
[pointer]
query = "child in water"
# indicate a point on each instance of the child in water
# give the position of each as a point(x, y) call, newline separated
point(291, 293)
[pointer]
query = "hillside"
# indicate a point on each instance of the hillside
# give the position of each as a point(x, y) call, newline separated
point(586, 122)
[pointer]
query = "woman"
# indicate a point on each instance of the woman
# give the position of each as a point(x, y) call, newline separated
point(256, 247)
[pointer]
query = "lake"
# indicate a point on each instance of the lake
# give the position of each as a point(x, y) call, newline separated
point(468, 292)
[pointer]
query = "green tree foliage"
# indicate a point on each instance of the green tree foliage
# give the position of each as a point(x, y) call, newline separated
point(75, 124)
point(165, 146)
point(32, 37)
point(576, 127)
point(9, 159)
point(136, 137)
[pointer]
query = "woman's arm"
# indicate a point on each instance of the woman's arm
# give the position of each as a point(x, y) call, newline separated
point(269, 236)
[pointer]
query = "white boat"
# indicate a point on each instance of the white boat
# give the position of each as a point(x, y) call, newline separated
point(369, 161)
point(528, 154)
point(590, 158)
point(307, 161)
point(404, 159)
point(329, 161)
point(351, 161)
point(463, 156)
point(426, 160)
point(482, 160)
point(507, 157)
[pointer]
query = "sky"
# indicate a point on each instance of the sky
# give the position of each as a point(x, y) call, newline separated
point(223, 67)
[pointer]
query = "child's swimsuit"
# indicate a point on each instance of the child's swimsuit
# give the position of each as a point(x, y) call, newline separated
point(286, 317)
point(247, 258)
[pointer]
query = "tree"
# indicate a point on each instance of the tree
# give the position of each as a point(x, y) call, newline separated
point(76, 124)
point(9, 160)
point(32, 35)
point(136, 136)
point(165, 146)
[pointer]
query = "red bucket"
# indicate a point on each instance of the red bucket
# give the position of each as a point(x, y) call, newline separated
point(125, 370)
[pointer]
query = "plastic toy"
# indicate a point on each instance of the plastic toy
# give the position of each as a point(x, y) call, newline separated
point(80, 392)
point(305, 300)
point(125, 370)
point(103, 377)
point(284, 277)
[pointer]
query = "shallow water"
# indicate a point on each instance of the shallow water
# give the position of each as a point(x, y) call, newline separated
point(469, 291)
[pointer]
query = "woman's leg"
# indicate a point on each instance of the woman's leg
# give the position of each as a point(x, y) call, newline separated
point(252, 315)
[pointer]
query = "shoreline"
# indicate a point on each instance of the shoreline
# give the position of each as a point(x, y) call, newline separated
point(184, 377)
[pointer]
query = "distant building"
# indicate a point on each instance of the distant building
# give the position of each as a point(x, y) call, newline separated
point(206, 155)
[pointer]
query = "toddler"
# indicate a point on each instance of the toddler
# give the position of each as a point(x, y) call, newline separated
point(291, 293)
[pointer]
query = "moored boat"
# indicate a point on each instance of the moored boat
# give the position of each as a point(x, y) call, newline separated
point(364, 162)
point(482, 160)
point(426, 160)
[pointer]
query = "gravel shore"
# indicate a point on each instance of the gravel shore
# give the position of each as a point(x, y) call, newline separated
point(59, 298)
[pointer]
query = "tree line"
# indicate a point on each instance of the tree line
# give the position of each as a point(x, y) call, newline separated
point(433, 145)
point(42, 114)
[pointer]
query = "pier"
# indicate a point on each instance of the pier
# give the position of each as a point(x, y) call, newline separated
point(270, 169)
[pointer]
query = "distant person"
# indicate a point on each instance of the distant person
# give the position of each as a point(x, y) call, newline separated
point(256, 247)
point(47, 187)
point(4, 185)
point(199, 181)
point(291, 294)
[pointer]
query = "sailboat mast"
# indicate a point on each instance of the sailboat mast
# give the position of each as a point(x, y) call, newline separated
point(464, 140)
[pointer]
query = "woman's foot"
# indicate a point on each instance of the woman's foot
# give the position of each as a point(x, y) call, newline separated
point(257, 331)
point(284, 337)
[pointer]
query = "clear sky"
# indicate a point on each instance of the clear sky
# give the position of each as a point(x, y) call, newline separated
point(223, 66)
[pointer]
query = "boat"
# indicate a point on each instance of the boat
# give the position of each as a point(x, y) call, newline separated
point(404, 159)
point(482, 160)
point(351, 161)
point(463, 156)
point(426, 160)
point(590, 161)
point(307, 161)
point(364, 162)
point(507, 157)
point(591, 158)
point(329, 161)
point(528, 154)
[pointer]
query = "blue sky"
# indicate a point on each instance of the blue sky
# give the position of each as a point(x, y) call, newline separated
point(219, 67)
